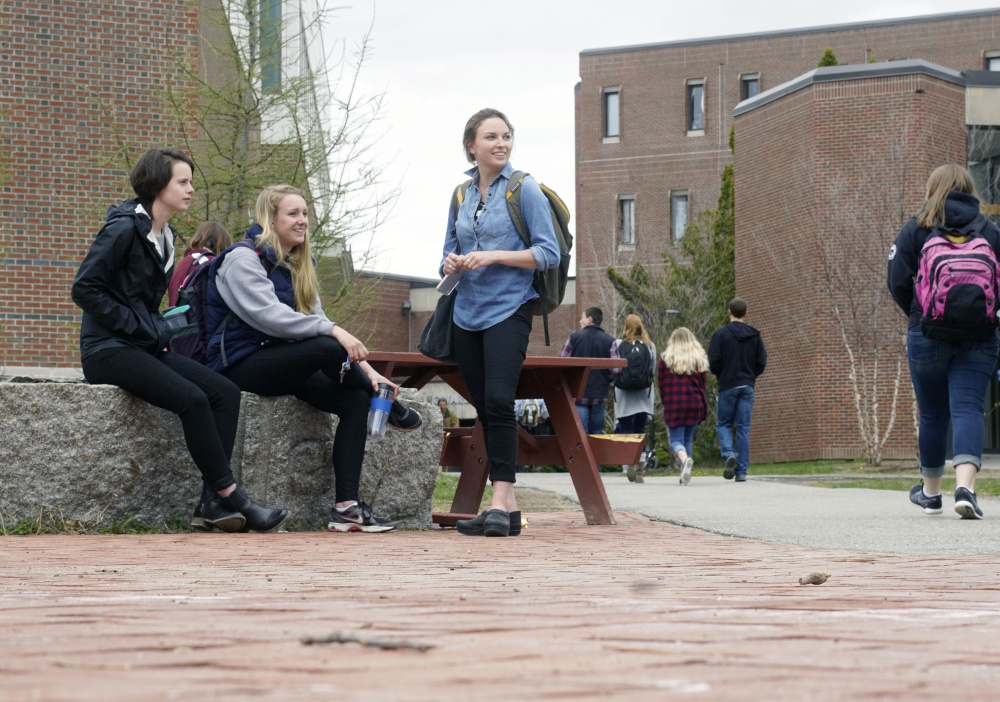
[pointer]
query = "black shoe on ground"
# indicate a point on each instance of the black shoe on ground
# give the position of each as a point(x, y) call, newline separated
point(740, 477)
point(477, 526)
point(359, 517)
point(497, 523)
point(966, 505)
point(210, 514)
point(730, 468)
point(931, 505)
point(402, 418)
point(259, 518)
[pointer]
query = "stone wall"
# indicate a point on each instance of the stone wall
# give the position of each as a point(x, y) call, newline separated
point(96, 454)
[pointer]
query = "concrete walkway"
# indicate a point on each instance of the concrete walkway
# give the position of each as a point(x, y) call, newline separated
point(876, 521)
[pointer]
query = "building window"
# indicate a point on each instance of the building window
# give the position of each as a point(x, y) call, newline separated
point(992, 60)
point(612, 102)
point(626, 219)
point(270, 46)
point(749, 85)
point(696, 106)
point(678, 213)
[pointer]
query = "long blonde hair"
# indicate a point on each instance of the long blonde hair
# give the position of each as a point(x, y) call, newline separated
point(299, 259)
point(943, 180)
point(684, 355)
point(634, 330)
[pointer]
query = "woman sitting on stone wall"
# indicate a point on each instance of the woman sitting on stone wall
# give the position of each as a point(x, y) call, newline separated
point(119, 287)
point(263, 296)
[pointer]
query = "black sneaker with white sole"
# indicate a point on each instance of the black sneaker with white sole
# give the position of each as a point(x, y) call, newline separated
point(931, 505)
point(403, 418)
point(966, 505)
point(358, 517)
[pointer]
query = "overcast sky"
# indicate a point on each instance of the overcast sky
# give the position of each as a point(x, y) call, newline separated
point(439, 61)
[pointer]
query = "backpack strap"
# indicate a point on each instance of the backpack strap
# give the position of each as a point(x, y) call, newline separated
point(517, 217)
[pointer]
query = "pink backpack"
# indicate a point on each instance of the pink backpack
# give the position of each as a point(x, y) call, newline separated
point(956, 287)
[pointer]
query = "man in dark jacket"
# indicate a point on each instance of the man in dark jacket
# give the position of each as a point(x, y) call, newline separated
point(736, 356)
point(592, 342)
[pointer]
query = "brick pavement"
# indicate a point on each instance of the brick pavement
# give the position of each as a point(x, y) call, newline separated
point(645, 610)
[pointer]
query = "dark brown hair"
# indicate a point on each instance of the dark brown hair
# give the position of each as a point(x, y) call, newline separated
point(153, 171)
point(212, 236)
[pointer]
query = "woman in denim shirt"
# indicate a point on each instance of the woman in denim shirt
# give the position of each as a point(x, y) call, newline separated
point(492, 314)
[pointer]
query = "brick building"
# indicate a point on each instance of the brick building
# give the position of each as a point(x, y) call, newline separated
point(829, 168)
point(67, 68)
point(653, 121)
point(653, 126)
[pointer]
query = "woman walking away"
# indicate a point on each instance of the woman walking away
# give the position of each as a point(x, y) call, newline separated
point(268, 334)
point(492, 313)
point(942, 273)
point(681, 377)
point(119, 287)
point(209, 239)
point(634, 385)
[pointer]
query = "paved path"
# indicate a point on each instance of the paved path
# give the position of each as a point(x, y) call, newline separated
point(878, 521)
point(640, 611)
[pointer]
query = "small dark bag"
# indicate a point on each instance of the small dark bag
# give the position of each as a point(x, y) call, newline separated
point(436, 340)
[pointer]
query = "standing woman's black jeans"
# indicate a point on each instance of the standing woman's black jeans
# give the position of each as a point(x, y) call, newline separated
point(207, 404)
point(309, 369)
point(490, 362)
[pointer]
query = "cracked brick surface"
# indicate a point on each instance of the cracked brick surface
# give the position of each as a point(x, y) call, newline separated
point(643, 610)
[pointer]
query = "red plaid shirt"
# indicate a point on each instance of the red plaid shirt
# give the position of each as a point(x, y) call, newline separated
point(683, 396)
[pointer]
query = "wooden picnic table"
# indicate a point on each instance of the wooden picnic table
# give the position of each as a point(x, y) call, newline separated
point(558, 381)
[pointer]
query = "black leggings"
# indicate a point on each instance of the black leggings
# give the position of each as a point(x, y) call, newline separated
point(310, 370)
point(490, 362)
point(207, 404)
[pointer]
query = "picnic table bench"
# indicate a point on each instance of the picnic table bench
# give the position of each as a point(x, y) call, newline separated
point(558, 381)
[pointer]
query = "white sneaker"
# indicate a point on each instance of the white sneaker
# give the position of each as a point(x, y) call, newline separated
point(686, 471)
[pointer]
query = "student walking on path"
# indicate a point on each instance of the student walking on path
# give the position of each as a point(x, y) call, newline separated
point(736, 357)
point(492, 309)
point(681, 378)
point(951, 350)
point(268, 334)
point(634, 384)
point(119, 287)
point(591, 341)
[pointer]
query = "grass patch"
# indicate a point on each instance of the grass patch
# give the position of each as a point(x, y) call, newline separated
point(988, 487)
point(444, 492)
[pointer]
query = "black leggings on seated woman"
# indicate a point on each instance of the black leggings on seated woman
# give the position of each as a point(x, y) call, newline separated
point(207, 404)
point(309, 369)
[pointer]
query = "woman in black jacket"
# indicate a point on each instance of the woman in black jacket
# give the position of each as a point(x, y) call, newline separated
point(950, 362)
point(119, 287)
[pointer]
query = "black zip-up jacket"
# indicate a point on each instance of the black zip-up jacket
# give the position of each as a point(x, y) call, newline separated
point(736, 355)
point(121, 283)
point(961, 214)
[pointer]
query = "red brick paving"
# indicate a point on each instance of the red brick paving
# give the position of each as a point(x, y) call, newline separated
point(566, 611)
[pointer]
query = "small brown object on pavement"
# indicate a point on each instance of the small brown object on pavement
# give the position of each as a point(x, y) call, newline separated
point(814, 579)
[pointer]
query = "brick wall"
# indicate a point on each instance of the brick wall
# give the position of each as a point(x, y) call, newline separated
point(655, 155)
point(825, 176)
point(65, 64)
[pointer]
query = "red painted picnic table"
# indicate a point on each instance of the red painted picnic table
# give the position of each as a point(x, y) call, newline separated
point(557, 381)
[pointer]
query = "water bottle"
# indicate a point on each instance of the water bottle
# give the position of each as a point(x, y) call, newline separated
point(379, 414)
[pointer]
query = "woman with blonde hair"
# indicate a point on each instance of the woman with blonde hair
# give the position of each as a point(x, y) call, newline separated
point(681, 377)
point(951, 351)
point(634, 385)
point(268, 334)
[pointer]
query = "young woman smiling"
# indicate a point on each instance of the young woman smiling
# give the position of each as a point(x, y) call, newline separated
point(492, 312)
point(268, 334)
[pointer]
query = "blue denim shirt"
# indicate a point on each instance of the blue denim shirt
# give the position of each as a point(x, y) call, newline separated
point(491, 294)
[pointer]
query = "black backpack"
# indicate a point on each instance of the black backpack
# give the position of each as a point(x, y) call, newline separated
point(551, 284)
point(638, 374)
point(194, 292)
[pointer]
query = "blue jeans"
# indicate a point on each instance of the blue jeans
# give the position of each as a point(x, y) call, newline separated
point(681, 438)
point(950, 382)
point(733, 412)
point(592, 417)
